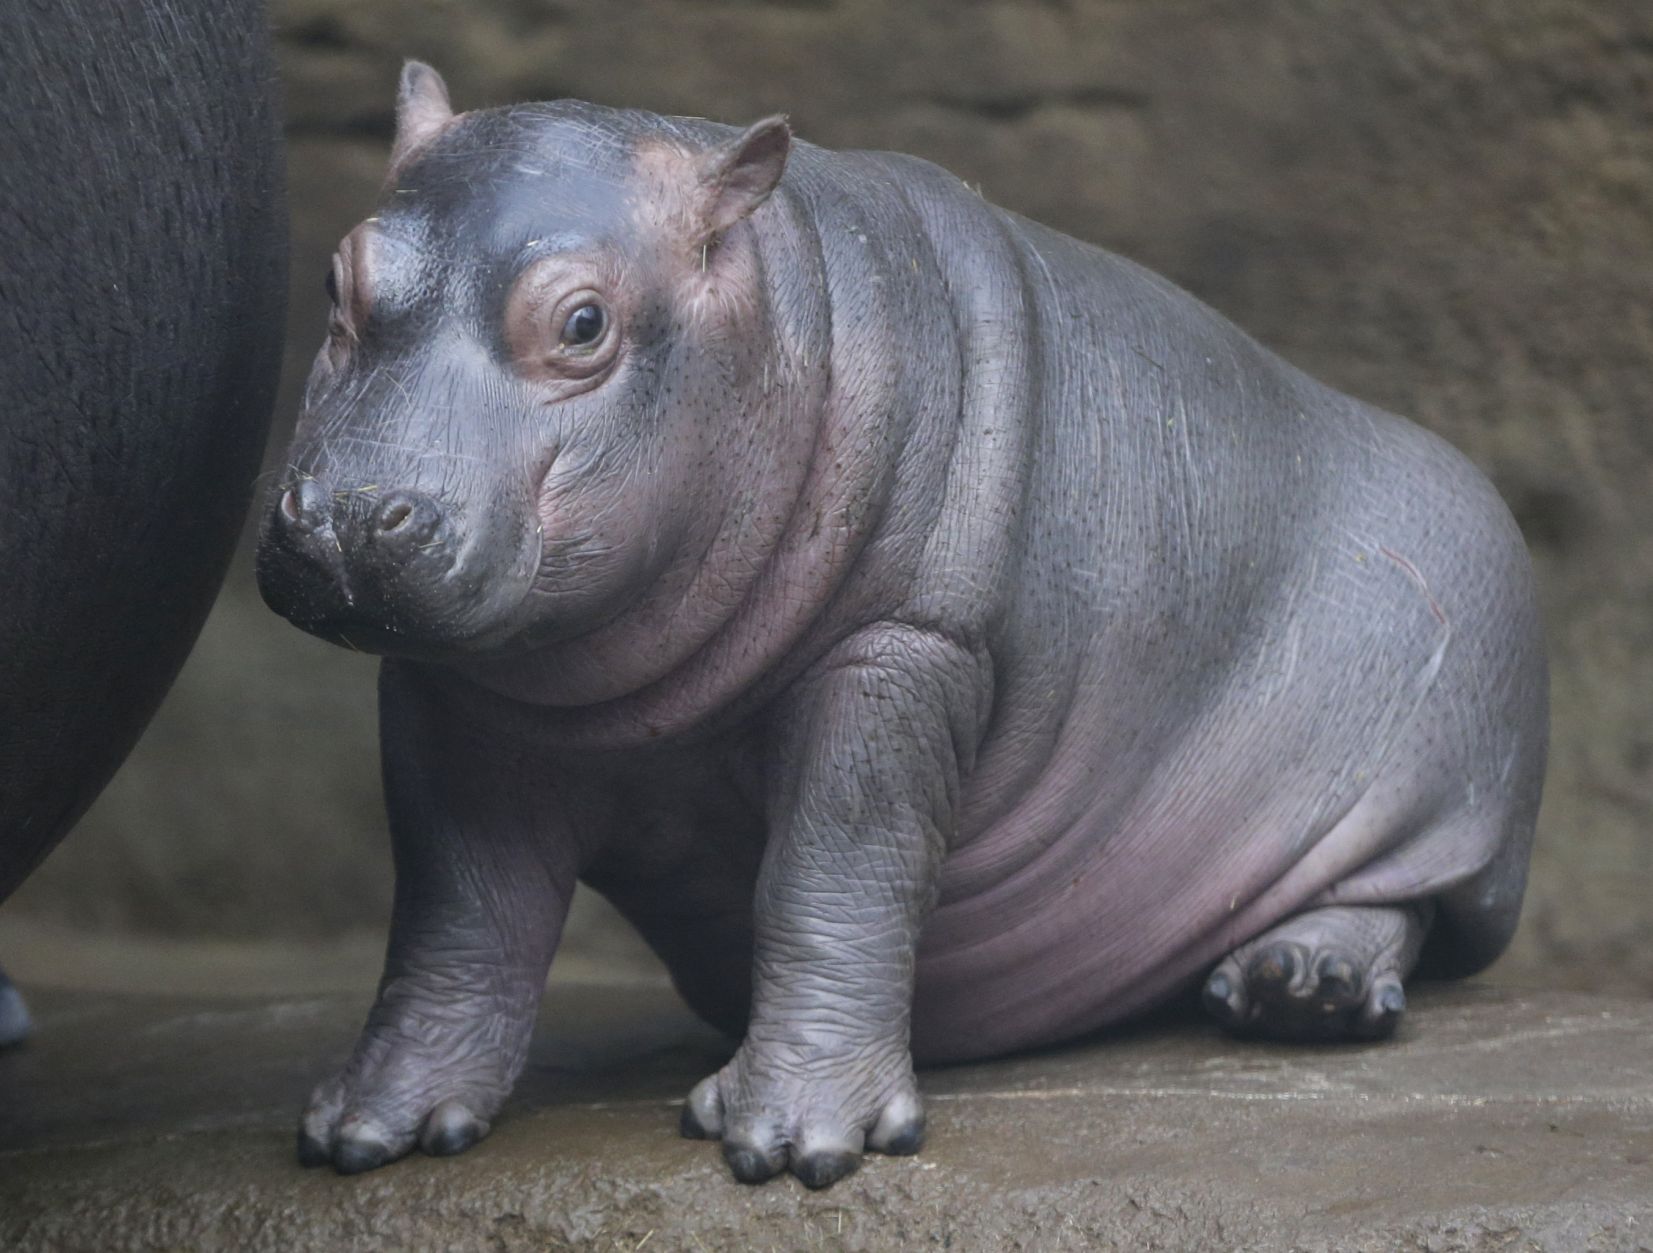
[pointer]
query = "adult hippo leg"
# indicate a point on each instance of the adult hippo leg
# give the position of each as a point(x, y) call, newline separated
point(863, 793)
point(1323, 974)
point(143, 231)
point(481, 897)
point(15, 1024)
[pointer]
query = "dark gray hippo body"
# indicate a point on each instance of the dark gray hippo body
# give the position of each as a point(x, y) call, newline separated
point(142, 289)
point(937, 635)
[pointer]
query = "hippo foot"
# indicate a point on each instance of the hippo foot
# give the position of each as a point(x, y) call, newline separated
point(813, 1120)
point(399, 1092)
point(1327, 974)
point(15, 1023)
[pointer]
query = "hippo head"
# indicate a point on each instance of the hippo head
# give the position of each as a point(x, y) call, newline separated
point(522, 420)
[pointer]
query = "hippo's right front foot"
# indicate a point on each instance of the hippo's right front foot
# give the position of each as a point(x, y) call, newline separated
point(1327, 974)
point(479, 906)
point(435, 1081)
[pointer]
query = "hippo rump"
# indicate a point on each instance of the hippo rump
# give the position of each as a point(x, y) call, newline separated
point(142, 288)
point(936, 635)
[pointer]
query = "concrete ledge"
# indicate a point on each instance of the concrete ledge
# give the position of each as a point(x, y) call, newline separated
point(1499, 1120)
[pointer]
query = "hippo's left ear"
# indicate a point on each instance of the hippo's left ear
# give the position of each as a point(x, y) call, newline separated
point(737, 177)
point(422, 112)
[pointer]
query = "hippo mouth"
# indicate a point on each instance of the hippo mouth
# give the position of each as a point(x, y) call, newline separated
point(370, 629)
point(363, 585)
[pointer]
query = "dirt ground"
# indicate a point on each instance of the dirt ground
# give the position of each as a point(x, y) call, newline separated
point(149, 1114)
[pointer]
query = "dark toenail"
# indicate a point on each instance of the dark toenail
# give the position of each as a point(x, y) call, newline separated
point(455, 1138)
point(355, 1156)
point(906, 1142)
point(702, 1116)
point(820, 1170)
point(1337, 978)
point(1277, 964)
point(450, 1128)
point(311, 1152)
point(1392, 1000)
point(1220, 999)
point(748, 1164)
point(451, 1140)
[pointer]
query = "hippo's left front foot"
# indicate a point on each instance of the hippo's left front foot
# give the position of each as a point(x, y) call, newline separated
point(1327, 974)
point(811, 1117)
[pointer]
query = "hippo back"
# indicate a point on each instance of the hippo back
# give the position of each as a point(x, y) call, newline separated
point(142, 286)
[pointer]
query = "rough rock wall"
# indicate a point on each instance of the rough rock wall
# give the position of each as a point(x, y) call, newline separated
point(1444, 208)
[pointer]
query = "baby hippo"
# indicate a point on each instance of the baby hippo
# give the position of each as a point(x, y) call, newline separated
point(936, 635)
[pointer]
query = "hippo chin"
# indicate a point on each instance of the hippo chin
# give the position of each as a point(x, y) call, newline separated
point(938, 636)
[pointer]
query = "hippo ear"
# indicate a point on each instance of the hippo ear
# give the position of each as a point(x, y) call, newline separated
point(422, 110)
point(737, 177)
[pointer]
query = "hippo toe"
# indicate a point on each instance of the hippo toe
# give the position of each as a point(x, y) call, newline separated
point(1326, 974)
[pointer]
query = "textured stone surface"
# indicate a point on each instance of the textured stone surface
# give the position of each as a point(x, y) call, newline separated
point(1447, 209)
point(149, 1118)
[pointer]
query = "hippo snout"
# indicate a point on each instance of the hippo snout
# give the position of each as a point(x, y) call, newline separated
point(394, 524)
point(362, 562)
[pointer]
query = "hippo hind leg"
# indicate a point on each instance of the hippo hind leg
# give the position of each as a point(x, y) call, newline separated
point(1325, 974)
point(14, 1015)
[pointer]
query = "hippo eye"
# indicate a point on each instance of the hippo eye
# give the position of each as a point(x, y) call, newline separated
point(557, 331)
point(331, 283)
point(585, 326)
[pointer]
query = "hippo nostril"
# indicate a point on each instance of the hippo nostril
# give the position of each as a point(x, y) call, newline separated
point(406, 518)
point(303, 507)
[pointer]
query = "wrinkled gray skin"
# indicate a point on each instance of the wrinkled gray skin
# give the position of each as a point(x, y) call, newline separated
point(938, 636)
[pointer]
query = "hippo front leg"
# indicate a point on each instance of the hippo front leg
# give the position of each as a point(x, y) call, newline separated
point(864, 782)
point(482, 890)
